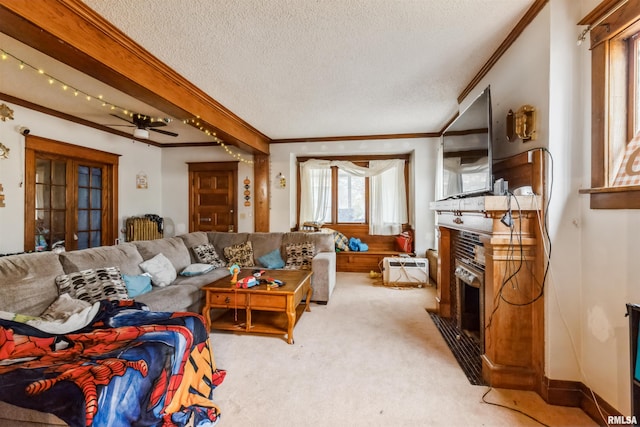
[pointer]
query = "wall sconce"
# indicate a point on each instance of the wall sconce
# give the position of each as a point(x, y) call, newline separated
point(282, 180)
point(522, 124)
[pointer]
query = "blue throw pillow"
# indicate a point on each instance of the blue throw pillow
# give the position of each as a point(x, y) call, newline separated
point(272, 259)
point(137, 285)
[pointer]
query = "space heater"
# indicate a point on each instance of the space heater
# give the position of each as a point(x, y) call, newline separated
point(405, 271)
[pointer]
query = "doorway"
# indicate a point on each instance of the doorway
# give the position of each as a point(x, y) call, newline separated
point(212, 196)
point(70, 196)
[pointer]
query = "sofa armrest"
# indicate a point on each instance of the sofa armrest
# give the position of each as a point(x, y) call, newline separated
point(323, 280)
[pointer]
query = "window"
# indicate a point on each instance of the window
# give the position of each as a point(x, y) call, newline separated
point(354, 191)
point(615, 80)
point(352, 197)
point(70, 197)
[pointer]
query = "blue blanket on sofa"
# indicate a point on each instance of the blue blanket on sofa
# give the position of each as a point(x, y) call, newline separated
point(127, 367)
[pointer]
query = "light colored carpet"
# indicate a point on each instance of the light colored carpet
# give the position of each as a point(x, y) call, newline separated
point(371, 357)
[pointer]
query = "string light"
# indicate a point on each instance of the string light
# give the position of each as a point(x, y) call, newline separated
point(195, 121)
point(89, 97)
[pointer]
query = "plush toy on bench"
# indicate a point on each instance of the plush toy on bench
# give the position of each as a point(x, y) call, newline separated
point(357, 245)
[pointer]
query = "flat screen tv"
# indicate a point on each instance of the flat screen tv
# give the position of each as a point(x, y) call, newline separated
point(466, 151)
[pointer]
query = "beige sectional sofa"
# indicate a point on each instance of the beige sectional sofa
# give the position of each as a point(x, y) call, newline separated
point(27, 281)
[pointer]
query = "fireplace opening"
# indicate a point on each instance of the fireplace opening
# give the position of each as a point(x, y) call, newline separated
point(469, 301)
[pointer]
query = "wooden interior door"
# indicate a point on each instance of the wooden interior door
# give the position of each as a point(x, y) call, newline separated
point(212, 196)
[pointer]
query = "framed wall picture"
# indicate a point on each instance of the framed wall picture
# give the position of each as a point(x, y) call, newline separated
point(141, 181)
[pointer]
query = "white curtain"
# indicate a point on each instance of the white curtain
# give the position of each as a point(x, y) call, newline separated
point(387, 192)
point(315, 190)
point(387, 197)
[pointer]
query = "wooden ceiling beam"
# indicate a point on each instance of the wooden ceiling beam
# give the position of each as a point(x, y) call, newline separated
point(72, 33)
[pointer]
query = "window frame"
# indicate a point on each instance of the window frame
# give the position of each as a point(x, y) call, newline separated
point(605, 38)
point(361, 161)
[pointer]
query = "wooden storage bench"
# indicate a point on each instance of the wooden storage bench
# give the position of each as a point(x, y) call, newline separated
point(380, 247)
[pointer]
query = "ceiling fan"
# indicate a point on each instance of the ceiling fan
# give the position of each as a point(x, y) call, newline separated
point(143, 124)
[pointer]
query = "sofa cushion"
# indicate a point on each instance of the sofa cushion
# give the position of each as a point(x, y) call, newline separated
point(124, 256)
point(196, 269)
point(241, 254)
point(171, 298)
point(29, 282)
point(207, 254)
point(300, 255)
point(272, 260)
point(161, 270)
point(93, 284)
point(222, 240)
point(322, 241)
point(171, 247)
point(263, 243)
point(137, 285)
point(203, 279)
point(192, 239)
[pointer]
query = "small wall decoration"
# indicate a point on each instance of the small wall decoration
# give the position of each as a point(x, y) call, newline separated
point(282, 180)
point(141, 181)
point(5, 112)
point(247, 191)
point(1, 196)
point(4, 151)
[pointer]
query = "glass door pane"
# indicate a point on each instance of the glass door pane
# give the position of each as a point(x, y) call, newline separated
point(89, 206)
point(50, 203)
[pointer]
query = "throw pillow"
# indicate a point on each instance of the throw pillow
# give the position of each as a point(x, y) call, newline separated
point(161, 270)
point(207, 254)
point(93, 285)
point(63, 307)
point(241, 254)
point(300, 255)
point(272, 259)
point(137, 285)
point(341, 241)
point(196, 269)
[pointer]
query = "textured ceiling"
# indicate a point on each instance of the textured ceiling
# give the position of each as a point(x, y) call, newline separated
point(316, 68)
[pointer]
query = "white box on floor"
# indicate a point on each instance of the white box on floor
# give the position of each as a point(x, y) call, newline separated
point(405, 270)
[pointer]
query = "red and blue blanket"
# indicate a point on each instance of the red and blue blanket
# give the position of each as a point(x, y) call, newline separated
point(128, 366)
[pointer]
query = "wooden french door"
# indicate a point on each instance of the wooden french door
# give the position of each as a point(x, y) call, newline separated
point(212, 196)
point(70, 196)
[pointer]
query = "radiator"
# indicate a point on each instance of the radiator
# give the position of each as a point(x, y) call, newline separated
point(143, 228)
point(405, 270)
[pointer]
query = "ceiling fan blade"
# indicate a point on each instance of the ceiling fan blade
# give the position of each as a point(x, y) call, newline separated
point(127, 126)
point(166, 132)
point(156, 124)
point(114, 115)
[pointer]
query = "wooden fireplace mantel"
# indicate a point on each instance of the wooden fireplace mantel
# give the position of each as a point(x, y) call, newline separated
point(513, 259)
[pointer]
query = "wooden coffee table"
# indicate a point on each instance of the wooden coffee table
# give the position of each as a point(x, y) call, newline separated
point(258, 309)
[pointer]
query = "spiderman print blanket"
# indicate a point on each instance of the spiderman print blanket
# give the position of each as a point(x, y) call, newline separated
point(128, 367)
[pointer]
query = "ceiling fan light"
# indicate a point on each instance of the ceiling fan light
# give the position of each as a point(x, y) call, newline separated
point(141, 133)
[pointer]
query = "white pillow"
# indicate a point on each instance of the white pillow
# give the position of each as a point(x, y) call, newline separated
point(161, 270)
point(196, 269)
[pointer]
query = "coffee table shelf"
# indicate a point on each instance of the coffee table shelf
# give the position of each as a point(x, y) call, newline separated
point(259, 310)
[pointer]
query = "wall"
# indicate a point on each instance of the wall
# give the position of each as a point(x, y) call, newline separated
point(175, 182)
point(421, 181)
point(609, 253)
point(135, 157)
point(591, 272)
